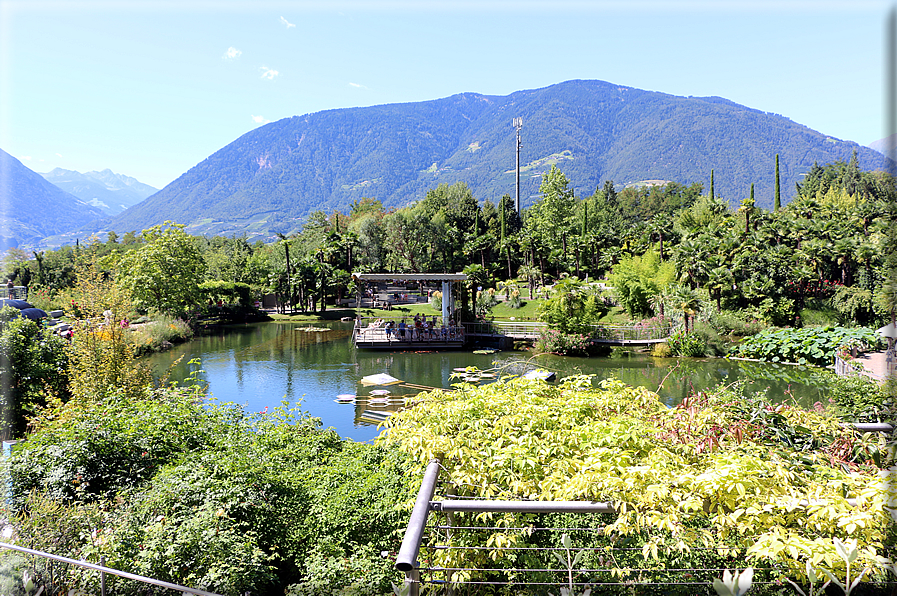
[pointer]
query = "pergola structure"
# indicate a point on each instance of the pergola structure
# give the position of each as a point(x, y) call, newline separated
point(378, 335)
point(447, 280)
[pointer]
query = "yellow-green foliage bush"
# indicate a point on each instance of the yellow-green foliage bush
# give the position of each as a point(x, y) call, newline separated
point(770, 481)
point(152, 336)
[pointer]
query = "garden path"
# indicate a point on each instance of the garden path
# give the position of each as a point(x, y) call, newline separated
point(875, 365)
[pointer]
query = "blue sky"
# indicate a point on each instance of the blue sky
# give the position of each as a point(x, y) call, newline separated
point(151, 88)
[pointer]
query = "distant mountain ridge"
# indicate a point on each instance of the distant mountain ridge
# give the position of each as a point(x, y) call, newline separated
point(107, 191)
point(32, 209)
point(269, 179)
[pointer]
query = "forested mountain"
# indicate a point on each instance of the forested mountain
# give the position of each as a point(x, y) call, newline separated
point(269, 179)
point(31, 208)
point(107, 191)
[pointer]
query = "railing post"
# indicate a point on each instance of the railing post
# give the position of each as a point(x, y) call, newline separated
point(412, 583)
point(103, 577)
point(406, 560)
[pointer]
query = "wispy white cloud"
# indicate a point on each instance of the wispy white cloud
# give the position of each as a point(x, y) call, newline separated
point(268, 73)
point(357, 85)
point(260, 120)
point(286, 22)
point(59, 155)
point(232, 53)
point(26, 157)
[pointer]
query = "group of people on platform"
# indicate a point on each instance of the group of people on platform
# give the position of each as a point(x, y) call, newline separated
point(421, 329)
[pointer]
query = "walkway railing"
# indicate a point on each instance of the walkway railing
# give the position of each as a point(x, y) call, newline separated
point(515, 329)
point(14, 293)
point(442, 537)
point(634, 333)
point(375, 331)
point(600, 333)
point(103, 570)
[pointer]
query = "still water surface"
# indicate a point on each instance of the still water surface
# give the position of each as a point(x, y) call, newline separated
point(259, 365)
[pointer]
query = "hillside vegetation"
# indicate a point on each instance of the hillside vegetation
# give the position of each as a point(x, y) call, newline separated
point(270, 179)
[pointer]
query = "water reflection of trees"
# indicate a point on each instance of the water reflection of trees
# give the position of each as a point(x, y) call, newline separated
point(311, 364)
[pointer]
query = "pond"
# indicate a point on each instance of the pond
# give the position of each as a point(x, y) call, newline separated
point(262, 364)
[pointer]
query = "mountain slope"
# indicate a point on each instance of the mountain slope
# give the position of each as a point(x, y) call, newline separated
point(270, 178)
point(110, 192)
point(31, 208)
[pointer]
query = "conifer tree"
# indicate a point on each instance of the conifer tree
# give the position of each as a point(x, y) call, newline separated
point(585, 219)
point(711, 185)
point(778, 200)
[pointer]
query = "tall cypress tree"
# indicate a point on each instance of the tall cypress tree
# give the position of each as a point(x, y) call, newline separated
point(778, 201)
point(752, 192)
point(711, 184)
point(585, 218)
point(501, 213)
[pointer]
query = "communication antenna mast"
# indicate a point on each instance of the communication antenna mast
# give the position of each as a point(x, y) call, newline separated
point(518, 124)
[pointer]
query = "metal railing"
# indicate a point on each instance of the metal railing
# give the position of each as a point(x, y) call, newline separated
point(103, 570)
point(519, 330)
point(845, 368)
point(14, 293)
point(634, 333)
point(407, 558)
point(363, 332)
point(600, 333)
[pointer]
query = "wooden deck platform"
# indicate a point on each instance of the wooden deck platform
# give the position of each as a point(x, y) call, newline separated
point(379, 339)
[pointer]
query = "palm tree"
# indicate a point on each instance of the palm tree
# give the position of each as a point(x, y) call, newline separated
point(685, 301)
point(660, 227)
point(843, 250)
point(718, 279)
point(530, 274)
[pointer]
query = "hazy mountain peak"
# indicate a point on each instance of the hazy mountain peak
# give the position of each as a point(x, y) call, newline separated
point(110, 192)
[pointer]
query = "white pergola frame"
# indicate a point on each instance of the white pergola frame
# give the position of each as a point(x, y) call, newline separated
point(447, 280)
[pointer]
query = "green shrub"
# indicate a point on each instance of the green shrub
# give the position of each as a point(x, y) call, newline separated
point(205, 495)
point(818, 313)
point(778, 312)
point(226, 291)
point(686, 344)
point(94, 450)
point(565, 344)
point(738, 323)
point(856, 398)
point(714, 345)
point(33, 365)
point(162, 330)
point(573, 307)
